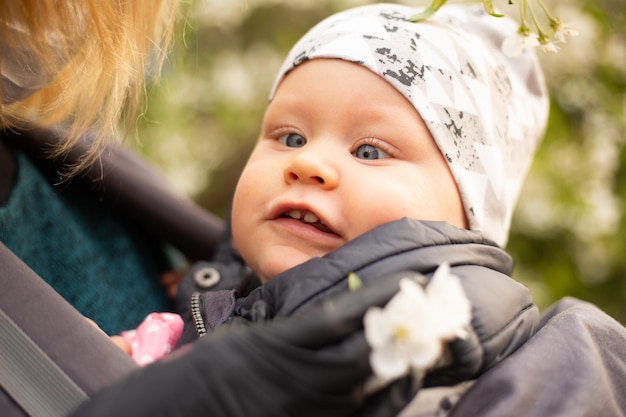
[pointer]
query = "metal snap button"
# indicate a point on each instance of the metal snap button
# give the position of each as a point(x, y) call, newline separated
point(207, 277)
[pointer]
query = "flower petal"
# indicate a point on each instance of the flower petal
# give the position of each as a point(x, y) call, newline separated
point(387, 363)
point(449, 303)
point(425, 354)
point(378, 331)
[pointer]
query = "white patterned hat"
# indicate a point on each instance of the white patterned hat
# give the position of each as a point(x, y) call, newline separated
point(487, 112)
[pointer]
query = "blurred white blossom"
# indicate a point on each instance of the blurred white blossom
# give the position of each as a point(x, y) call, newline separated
point(518, 44)
point(531, 31)
point(550, 46)
point(562, 30)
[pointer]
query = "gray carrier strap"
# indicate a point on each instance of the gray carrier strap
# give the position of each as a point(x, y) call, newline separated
point(31, 378)
point(436, 401)
point(51, 334)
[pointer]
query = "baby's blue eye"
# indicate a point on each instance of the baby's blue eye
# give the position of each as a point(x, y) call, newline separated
point(292, 140)
point(370, 152)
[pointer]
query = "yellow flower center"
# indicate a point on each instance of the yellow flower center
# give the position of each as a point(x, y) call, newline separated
point(401, 333)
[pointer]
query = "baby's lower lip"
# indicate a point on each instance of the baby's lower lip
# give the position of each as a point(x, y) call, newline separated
point(322, 228)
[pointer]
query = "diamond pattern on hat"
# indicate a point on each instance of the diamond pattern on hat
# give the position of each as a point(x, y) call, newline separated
point(431, 55)
point(427, 111)
point(474, 193)
point(462, 100)
point(436, 90)
point(482, 96)
point(492, 161)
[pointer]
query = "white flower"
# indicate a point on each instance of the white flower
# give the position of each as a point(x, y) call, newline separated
point(410, 333)
point(523, 41)
point(550, 47)
point(561, 30)
point(547, 44)
point(516, 45)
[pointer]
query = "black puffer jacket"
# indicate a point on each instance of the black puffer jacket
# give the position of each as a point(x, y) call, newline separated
point(503, 313)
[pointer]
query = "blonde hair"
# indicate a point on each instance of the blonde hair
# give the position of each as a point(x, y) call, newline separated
point(100, 54)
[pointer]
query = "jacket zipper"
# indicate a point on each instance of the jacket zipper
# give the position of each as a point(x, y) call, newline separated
point(196, 314)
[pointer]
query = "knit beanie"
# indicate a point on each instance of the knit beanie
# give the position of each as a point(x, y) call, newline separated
point(486, 111)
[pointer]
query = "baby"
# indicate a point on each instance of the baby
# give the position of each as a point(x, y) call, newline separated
point(373, 119)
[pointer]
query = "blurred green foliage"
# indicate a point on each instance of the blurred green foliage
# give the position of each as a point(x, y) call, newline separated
point(569, 232)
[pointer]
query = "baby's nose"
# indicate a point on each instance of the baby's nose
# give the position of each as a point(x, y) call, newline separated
point(311, 168)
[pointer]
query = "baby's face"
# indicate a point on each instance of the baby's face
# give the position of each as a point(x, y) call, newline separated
point(340, 152)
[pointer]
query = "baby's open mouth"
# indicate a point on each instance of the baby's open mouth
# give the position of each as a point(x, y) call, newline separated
point(309, 218)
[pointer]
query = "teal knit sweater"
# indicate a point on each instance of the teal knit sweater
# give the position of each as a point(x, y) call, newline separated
point(98, 263)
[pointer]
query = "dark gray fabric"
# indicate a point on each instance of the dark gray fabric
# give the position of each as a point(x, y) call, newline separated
point(218, 306)
point(31, 378)
point(313, 363)
point(574, 366)
point(83, 352)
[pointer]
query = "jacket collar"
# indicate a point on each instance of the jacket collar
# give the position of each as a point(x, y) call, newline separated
point(402, 245)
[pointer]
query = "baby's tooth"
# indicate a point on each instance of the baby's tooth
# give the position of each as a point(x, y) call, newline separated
point(310, 217)
point(295, 214)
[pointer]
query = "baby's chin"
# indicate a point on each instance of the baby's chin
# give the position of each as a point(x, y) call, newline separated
point(286, 260)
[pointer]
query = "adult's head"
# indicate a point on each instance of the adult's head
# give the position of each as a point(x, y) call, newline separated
point(80, 62)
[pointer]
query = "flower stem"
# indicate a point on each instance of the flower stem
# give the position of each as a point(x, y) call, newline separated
point(543, 38)
point(429, 11)
point(522, 12)
point(545, 10)
point(488, 5)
